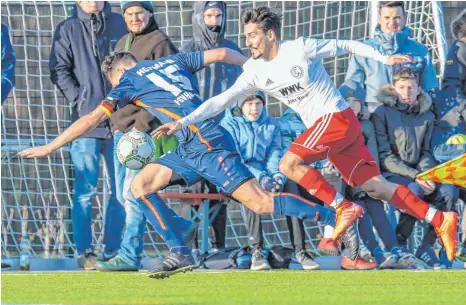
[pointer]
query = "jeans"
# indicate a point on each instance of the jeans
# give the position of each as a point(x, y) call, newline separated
point(85, 155)
point(133, 243)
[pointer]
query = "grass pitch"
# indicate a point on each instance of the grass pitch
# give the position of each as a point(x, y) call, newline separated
point(274, 287)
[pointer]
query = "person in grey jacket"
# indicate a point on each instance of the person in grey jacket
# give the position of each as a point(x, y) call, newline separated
point(209, 22)
point(392, 36)
point(79, 46)
point(404, 126)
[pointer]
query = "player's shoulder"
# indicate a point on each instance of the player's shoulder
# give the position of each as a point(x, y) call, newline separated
point(292, 45)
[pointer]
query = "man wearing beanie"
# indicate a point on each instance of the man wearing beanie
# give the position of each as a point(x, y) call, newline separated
point(209, 27)
point(146, 42)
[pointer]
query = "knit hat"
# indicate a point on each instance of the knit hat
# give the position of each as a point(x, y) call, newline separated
point(214, 4)
point(351, 88)
point(259, 95)
point(443, 102)
point(144, 4)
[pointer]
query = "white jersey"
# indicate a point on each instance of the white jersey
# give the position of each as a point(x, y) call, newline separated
point(296, 77)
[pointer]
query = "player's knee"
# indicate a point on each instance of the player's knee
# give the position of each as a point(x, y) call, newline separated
point(378, 188)
point(139, 186)
point(288, 163)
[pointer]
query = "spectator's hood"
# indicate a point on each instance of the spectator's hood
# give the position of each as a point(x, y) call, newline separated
point(208, 39)
point(389, 97)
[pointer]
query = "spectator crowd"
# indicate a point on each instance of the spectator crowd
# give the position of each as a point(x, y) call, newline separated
point(409, 124)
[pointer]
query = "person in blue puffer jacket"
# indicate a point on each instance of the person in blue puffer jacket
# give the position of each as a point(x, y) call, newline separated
point(258, 141)
point(392, 36)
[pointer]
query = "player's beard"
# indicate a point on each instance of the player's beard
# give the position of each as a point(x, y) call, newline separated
point(255, 55)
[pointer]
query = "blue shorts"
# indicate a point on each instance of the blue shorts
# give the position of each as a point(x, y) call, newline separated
point(221, 165)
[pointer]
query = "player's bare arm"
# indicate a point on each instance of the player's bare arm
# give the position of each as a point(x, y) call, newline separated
point(77, 129)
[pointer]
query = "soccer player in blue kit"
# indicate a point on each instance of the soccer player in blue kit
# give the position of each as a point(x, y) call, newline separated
point(164, 87)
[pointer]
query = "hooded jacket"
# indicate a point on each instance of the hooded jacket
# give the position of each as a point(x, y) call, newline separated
point(8, 64)
point(372, 75)
point(150, 44)
point(403, 133)
point(215, 78)
point(454, 78)
point(258, 142)
point(79, 46)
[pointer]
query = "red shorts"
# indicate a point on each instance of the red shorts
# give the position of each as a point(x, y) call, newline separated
point(338, 138)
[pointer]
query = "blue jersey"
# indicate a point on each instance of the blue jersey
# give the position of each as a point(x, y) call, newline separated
point(164, 87)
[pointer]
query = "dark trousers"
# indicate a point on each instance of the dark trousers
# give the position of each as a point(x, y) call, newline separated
point(443, 198)
point(375, 216)
point(295, 225)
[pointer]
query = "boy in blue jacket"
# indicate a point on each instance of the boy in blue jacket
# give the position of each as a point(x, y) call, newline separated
point(258, 141)
point(449, 123)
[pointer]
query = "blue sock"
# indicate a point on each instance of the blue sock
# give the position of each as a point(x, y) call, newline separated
point(158, 214)
point(293, 205)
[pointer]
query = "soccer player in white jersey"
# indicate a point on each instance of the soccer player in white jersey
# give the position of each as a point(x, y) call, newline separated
point(292, 72)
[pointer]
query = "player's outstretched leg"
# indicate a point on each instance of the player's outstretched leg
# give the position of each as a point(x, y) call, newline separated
point(144, 187)
point(252, 195)
point(296, 169)
point(445, 223)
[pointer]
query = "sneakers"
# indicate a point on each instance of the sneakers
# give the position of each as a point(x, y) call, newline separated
point(328, 246)
point(5, 266)
point(115, 264)
point(430, 259)
point(173, 264)
point(406, 260)
point(198, 257)
point(350, 239)
point(346, 213)
point(259, 261)
point(358, 264)
point(461, 255)
point(87, 261)
point(106, 256)
point(447, 233)
point(305, 259)
point(385, 260)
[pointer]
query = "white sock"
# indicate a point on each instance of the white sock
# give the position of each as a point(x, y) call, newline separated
point(337, 200)
point(430, 214)
point(328, 231)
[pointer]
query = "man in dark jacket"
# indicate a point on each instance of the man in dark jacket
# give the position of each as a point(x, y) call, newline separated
point(146, 42)
point(8, 64)
point(79, 46)
point(209, 26)
point(404, 125)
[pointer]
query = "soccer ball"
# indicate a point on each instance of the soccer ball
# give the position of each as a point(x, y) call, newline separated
point(135, 149)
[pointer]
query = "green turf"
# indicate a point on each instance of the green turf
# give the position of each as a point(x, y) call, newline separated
point(276, 287)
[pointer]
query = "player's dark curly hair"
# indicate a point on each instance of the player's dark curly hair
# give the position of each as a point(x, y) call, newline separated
point(115, 58)
point(264, 17)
